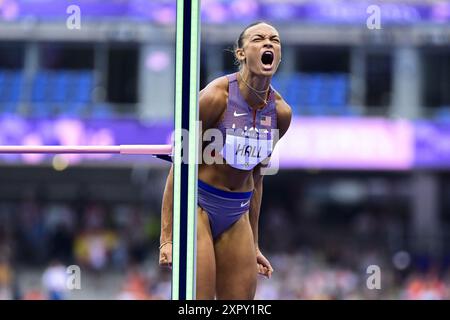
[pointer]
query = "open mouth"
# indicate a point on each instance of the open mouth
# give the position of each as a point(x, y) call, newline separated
point(267, 58)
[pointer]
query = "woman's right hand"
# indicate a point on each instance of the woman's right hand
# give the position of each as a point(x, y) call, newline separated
point(165, 255)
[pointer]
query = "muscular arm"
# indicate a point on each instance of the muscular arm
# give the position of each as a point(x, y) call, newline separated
point(166, 210)
point(255, 203)
point(284, 115)
point(284, 119)
point(212, 103)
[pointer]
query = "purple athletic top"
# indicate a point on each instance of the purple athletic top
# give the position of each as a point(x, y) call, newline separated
point(248, 136)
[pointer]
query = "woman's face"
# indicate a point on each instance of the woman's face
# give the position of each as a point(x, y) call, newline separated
point(261, 50)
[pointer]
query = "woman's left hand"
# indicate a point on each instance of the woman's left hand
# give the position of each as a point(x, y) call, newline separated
point(264, 266)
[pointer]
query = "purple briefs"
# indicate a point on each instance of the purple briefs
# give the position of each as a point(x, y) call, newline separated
point(223, 207)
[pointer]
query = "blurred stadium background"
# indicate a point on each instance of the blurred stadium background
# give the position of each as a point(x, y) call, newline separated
point(365, 168)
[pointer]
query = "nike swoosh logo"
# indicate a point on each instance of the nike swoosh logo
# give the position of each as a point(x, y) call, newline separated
point(243, 204)
point(239, 114)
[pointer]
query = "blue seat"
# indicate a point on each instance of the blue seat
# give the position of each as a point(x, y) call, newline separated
point(316, 110)
point(314, 97)
point(279, 84)
point(59, 87)
point(3, 93)
point(2, 84)
point(15, 93)
point(63, 86)
point(341, 79)
point(84, 93)
point(315, 93)
point(86, 77)
point(41, 110)
point(11, 86)
point(102, 111)
point(292, 90)
point(443, 114)
point(9, 108)
point(338, 97)
point(39, 87)
point(83, 86)
point(303, 94)
point(294, 81)
point(298, 110)
point(76, 110)
point(2, 77)
point(16, 77)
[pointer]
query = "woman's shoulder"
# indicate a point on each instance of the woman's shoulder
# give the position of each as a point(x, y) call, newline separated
point(215, 93)
point(216, 87)
point(283, 108)
point(284, 113)
point(213, 100)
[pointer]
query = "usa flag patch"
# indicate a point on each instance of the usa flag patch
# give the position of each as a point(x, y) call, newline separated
point(266, 121)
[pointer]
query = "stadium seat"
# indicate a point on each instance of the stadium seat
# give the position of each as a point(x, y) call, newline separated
point(315, 93)
point(16, 90)
point(63, 86)
point(2, 85)
point(78, 110)
point(315, 110)
point(11, 83)
point(443, 114)
point(84, 85)
point(60, 83)
point(9, 108)
point(102, 111)
point(39, 87)
point(41, 110)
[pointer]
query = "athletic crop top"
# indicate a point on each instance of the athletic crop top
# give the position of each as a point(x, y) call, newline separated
point(247, 133)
